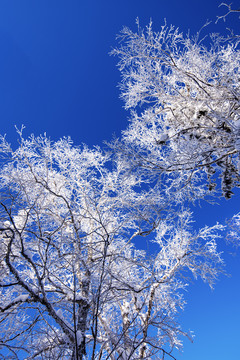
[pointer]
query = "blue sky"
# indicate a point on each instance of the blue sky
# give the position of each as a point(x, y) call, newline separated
point(56, 76)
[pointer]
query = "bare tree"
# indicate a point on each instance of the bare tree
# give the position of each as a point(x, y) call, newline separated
point(73, 284)
point(184, 98)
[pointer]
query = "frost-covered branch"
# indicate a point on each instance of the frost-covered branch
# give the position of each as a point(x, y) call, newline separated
point(229, 10)
point(184, 101)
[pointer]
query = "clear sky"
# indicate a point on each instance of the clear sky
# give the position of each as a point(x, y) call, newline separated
point(56, 76)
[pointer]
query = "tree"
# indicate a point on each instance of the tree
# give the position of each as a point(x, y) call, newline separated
point(184, 98)
point(73, 284)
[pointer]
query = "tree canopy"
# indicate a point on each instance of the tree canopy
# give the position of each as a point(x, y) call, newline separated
point(74, 284)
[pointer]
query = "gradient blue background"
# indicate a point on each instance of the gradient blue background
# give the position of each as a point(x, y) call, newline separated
point(56, 77)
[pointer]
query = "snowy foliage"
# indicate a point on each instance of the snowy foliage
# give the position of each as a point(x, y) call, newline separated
point(73, 285)
point(185, 100)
